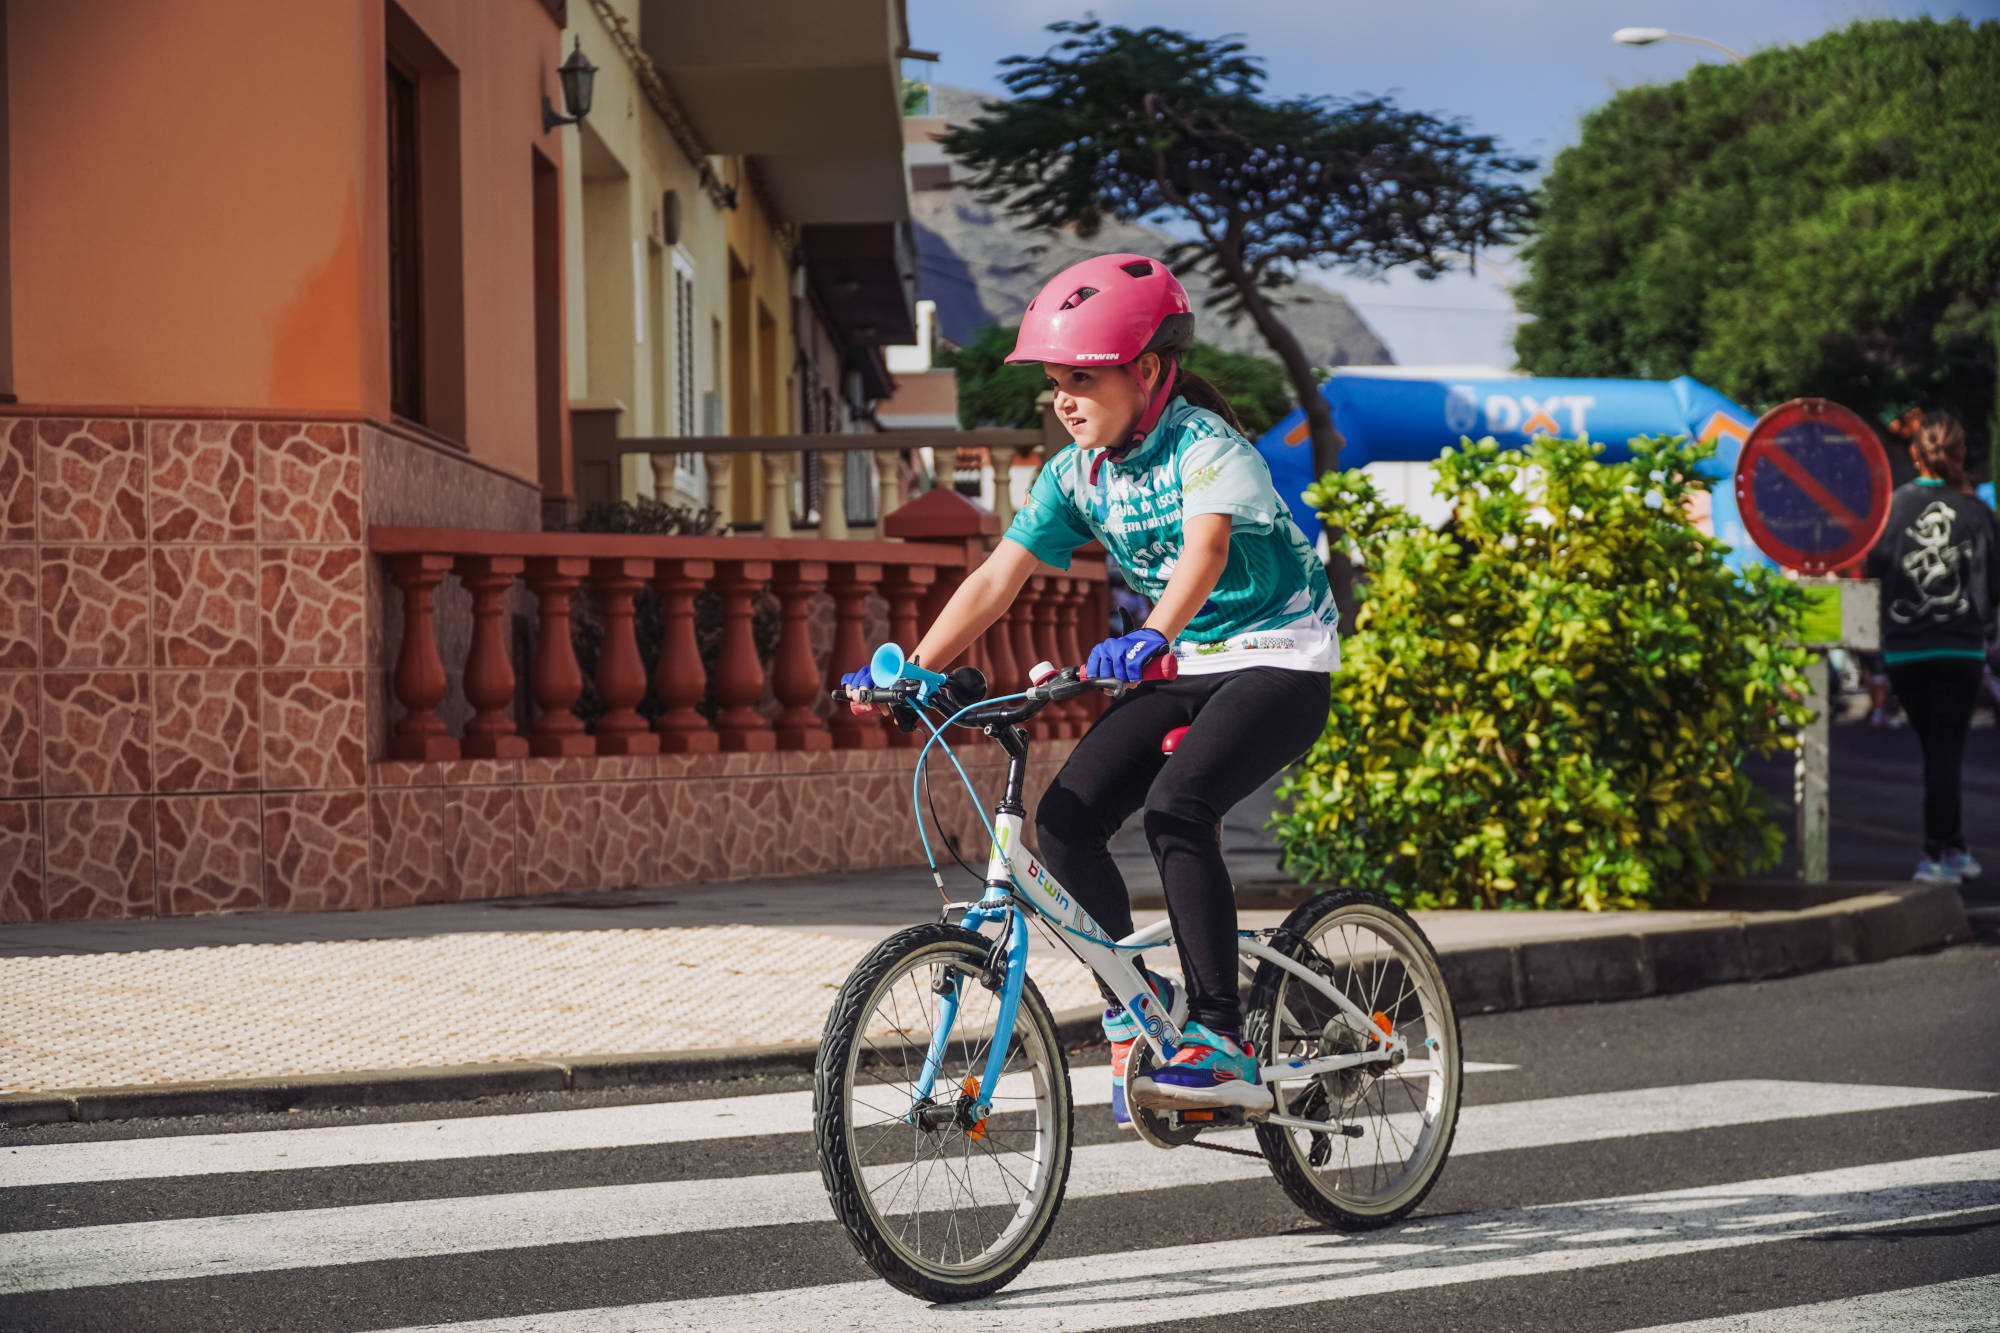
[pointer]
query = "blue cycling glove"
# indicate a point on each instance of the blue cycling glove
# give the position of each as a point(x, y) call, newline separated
point(1124, 658)
point(858, 680)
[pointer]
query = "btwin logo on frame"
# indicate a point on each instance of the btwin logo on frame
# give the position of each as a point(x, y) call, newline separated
point(1041, 880)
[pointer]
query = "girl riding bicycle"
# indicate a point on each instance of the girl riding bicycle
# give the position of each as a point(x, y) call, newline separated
point(1162, 476)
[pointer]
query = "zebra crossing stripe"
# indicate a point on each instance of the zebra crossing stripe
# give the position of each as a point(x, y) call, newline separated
point(1971, 1305)
point(306, 1238)
point(440, 1140)
point(1188, 1282)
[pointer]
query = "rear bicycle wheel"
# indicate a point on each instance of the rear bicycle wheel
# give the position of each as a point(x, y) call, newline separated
point(941, 1205)
point(1399, 1121)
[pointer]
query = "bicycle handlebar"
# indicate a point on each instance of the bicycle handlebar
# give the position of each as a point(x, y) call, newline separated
point(1051, 686)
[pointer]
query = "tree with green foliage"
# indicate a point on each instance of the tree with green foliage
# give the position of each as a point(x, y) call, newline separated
point(993, 393)
point(1150, 124)
point(1822, 221)
point(1548, 704)
point(1256, 386)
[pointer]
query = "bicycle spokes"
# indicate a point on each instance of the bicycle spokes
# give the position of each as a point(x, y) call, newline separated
point(946, 1184)
point(1386, 1124)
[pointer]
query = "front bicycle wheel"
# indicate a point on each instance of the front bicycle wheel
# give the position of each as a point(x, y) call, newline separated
point(941, 1205)
point(1395, 1123)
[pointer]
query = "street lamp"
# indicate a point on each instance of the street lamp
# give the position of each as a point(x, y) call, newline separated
point(1647, 36)
point(576, 75)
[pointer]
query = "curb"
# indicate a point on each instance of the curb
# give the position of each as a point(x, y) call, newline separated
point(1887, 922)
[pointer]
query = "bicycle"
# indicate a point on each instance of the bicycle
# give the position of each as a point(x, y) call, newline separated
point(940, 1064)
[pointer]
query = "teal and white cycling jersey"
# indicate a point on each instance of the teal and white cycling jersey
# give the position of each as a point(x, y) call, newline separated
point(1271, 607)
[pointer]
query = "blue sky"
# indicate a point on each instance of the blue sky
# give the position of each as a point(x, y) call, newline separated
point(1523, 70)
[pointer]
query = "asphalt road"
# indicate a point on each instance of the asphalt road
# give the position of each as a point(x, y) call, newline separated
point(1875, 828)
point(1821, 1152)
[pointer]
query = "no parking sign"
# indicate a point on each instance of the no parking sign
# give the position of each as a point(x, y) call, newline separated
point(1813, 485)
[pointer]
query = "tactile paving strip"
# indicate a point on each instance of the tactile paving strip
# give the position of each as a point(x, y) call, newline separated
point(268, 1010)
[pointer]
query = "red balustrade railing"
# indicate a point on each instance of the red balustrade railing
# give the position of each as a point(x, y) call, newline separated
point(1056, 614)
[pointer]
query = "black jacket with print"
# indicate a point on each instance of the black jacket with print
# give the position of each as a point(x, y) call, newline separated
point(1939, 563)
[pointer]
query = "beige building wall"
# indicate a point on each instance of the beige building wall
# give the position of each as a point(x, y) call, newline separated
point(625, 333)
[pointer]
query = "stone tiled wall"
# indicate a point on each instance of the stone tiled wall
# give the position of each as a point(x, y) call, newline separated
point(497, 828)
point(182, 649)
point(193, 696)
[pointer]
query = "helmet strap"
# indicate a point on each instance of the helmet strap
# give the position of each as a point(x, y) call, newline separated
point(1156, 407)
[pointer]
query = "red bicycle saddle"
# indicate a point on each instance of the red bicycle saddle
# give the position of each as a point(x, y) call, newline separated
point(1171, 741)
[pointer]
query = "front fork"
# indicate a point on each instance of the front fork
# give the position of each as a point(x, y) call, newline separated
point(1013, 979)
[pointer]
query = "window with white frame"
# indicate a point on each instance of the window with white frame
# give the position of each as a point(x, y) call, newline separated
point(687, 467)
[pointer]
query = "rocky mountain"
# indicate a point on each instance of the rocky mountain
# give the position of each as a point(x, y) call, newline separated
point(981, 269)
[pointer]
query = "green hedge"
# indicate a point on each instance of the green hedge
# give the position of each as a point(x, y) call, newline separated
point(1547, 704)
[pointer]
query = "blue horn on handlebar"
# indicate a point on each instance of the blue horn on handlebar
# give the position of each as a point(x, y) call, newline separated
point(888, 665)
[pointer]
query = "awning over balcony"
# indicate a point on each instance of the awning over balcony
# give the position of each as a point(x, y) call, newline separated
point(865, 275)
point(810, 89)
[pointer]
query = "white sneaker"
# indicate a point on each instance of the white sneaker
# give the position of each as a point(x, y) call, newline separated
point(1960, 863)
point(1935, 872)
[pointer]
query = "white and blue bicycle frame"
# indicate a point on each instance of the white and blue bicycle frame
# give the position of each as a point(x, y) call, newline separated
point(1017, 882)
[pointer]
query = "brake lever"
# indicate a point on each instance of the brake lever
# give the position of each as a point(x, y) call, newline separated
point(902, 711)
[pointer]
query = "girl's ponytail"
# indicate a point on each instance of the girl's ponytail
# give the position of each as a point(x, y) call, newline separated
point(1940, 448)
point(1200, 393)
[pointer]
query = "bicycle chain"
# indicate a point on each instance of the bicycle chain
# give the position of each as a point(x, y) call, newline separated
point(1223, 1147)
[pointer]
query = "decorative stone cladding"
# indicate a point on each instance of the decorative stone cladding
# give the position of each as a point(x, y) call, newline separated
point(482, 828)
point(197, 653)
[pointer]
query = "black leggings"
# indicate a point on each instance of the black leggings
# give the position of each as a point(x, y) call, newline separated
point(1939, 696)
point(1243, 726)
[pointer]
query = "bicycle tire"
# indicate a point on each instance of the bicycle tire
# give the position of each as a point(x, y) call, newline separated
point(1289, 1151)
point(844, 1050)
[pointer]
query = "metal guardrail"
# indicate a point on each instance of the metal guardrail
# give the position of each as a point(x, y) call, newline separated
point(599, 452)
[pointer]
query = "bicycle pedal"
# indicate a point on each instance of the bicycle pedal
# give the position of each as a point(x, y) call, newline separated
point(1222, 1117)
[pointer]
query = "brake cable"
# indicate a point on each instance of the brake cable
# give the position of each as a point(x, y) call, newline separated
point(950, 843)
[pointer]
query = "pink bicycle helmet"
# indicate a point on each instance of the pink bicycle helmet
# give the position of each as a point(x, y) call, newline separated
point(1109, 311)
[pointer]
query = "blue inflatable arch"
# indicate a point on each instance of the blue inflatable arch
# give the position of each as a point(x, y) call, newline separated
point(1413, 414)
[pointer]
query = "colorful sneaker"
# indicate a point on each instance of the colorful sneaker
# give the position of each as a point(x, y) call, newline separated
point(1959, 862)
point(1935, 872)
point(1123, 1030)
point(1212, 1069)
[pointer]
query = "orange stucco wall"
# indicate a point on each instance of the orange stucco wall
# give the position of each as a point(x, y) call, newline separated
point(188, 206)
point(198, 208)
point(506, 52)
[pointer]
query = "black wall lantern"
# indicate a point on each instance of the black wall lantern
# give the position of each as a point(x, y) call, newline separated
point(670, 218)
point(577, 75)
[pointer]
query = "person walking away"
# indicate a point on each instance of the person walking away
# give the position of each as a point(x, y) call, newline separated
point(1160, 473)
point(1939, 565)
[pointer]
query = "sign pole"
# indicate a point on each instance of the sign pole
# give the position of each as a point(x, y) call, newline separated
point(1845, 613)
point(1810, 783)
